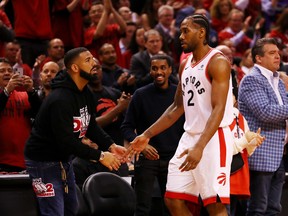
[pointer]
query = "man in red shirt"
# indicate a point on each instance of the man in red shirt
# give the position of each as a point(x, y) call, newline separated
point(15, 113)
point(101, 31)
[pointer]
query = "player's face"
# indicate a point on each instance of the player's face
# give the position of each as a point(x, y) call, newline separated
point(189, 36)
point(160, 72)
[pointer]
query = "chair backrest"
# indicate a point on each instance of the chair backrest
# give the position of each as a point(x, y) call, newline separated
point(83, 209)
point(108, 194)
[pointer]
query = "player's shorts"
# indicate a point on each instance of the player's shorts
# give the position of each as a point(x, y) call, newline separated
point(211, 177)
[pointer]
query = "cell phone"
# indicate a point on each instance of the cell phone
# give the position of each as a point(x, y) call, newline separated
point(19, 71)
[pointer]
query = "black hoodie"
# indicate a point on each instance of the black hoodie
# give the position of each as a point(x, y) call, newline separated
point(66, 115)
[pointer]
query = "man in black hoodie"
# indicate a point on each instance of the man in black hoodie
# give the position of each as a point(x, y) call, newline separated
point(65, 117)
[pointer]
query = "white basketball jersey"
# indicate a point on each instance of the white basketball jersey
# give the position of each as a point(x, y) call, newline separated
point(196, 91)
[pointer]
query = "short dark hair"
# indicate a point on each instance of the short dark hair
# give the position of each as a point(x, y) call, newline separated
point(72, 54)
point(5, 60)
point(202, 21)
point(257, 49)
point(151, 32)
point(162, 57)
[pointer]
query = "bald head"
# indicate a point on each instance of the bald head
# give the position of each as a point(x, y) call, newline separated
point(226, 51)
point(48, 72)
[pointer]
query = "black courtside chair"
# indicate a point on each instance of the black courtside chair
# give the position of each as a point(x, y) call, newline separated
point(107, 194)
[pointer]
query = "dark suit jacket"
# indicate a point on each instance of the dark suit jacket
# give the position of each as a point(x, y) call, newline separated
point(140, 67)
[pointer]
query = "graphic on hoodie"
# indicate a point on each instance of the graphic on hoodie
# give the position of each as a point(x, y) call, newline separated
point(81, 122)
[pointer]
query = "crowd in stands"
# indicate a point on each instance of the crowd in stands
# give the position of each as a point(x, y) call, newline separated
point(123, 36)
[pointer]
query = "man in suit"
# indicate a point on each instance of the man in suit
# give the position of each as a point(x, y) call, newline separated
point(140, 62)
point(263, 102)
point(167, 30)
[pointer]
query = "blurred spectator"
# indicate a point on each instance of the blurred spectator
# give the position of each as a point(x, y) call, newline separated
point(140, 62)
point(186, 8)
point(67, 21)
point(125, 13)
point(55, 52)
point(236, 32)
point(236, 72)
point(32, 28)
point(126, 38)
point(48, 72)
point(246, 63)
point(124, 9)
point(271, 9)
point(149, 14)
point(219, 11)
point(101, 32)
point(13, 54)
point(253, 9)
point(114, 75)
point(280, 31)
point(166, 27)
point(137, 44)
point(16, 109)
point(6, 31)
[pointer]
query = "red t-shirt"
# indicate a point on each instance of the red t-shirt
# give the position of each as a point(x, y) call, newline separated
point(218, 25)
point(276, 34)
point(15, 128)
point(111, 35)
point(32, 19)
point(67, 26)
point(6, 22)
point(241, 47)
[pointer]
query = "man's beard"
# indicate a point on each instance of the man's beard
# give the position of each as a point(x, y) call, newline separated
point(87, 76)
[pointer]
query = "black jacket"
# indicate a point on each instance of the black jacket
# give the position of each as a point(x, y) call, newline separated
point(66, 115)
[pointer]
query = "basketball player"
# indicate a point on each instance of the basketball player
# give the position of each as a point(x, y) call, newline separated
point(205, 95)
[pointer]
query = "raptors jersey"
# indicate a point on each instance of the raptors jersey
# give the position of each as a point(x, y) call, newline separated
point(196, 90)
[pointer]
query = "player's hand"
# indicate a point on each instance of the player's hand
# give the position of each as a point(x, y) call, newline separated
point(110, 161)
point(193, 157)
point(118, 151)
point(150, 153)
point(137, 146)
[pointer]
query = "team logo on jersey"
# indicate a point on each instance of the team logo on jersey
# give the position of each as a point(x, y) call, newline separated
point(222, 179)
point(80, 123)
